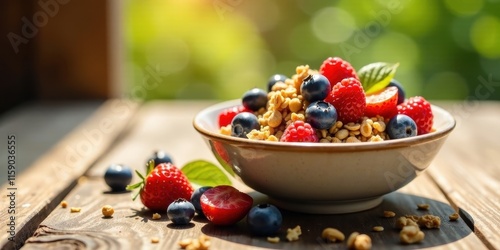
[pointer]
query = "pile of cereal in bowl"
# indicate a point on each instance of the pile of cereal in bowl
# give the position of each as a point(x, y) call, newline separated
point(333, 105)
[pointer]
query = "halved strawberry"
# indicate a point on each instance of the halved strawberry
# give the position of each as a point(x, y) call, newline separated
point(225, 205)
point(227, 115)
point(383, 103)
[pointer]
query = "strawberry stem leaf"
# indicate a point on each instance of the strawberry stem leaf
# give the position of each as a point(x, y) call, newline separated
point(134, 186)
point(376, 76)
point(204, 173)
point(150, 166)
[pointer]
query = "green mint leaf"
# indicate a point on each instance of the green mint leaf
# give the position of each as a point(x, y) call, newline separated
point(376, 76)
point(204, 173)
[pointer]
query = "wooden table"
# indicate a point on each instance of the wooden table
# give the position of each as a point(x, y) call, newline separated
point(464, 177)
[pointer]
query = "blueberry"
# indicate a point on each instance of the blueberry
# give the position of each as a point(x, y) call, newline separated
point(321, 115)
point(195, 198)
point(401, 126)
point(274, 79)
point(117, 177)
point(180, 212)
point(264, 220)
point(401, 91)
point(243, 123)
point(254, 99)
point(315, 87)
point(160, 157)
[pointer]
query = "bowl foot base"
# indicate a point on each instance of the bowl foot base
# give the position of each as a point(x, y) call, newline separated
point(340, 207)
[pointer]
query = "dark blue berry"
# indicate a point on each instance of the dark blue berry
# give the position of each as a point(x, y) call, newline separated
point(274, 79)
point(254, 99)
point(401, 91)
point(401, 126)
point(118, 177)
point(243, 123)
point(264, 220)
point(321, 115)
point(180, 212)
point(195, 198)
point(160, 157)
point(315, 87)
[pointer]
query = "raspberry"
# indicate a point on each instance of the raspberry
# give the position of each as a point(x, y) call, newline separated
point(348, 98)
point(299, 131)
point(335, 69)
point(420, 111)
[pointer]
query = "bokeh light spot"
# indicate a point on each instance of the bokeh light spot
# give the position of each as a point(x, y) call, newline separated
point(395, 47)
point(333, 25)
point(485, 36)
point(464, 7)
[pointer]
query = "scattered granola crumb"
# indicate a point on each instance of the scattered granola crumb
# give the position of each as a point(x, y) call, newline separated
point(378, 228)
point(389, 214)
point(423, 206)
point(405, 221)
point(107, 211)
point(411, 234)
point(155, 240)
point(293, 234)
point(454, 216)
point(202, 243)
point(332, 235)
point(75, 209)
point(273, 239)
point(359, 241)
point(156, 216)
point(429, 221)
point(64, 204)
point(82, 179)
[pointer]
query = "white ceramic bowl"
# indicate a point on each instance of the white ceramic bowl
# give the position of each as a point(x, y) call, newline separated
point(324, 178)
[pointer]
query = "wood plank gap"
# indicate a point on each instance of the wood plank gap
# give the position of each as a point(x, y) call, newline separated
point(42, 187)
point(466, 217)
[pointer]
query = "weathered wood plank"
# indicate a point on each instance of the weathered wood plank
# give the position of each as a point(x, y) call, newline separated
point(39, 126)
point(132, 227)
point(50, 178)
point(468, 168)
point(164, 125)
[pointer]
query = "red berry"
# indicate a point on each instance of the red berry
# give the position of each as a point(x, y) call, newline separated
point(299, 131)
point(225, 205)
point(335, 70)
point(221, 152)
point(348, 98)
point(383, 103)
point(420, 111)
point(163, 185)
point(227, 115)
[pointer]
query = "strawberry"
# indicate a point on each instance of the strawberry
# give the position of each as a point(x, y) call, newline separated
point(420, 111)
point(163, 185)
point(335, 70)
point(225, 205)
point(348, 98)
point(299, 131)
point(383, 103)
point(227, 115)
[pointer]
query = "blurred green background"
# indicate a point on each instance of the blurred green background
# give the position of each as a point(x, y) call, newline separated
point(217, 49)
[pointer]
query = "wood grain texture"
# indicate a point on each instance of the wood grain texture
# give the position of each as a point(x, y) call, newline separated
point(132, 227)
point(167, 125)
point(468, 168)
point(51, 177)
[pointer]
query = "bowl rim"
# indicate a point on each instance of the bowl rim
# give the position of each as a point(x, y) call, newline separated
point(318, 147)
